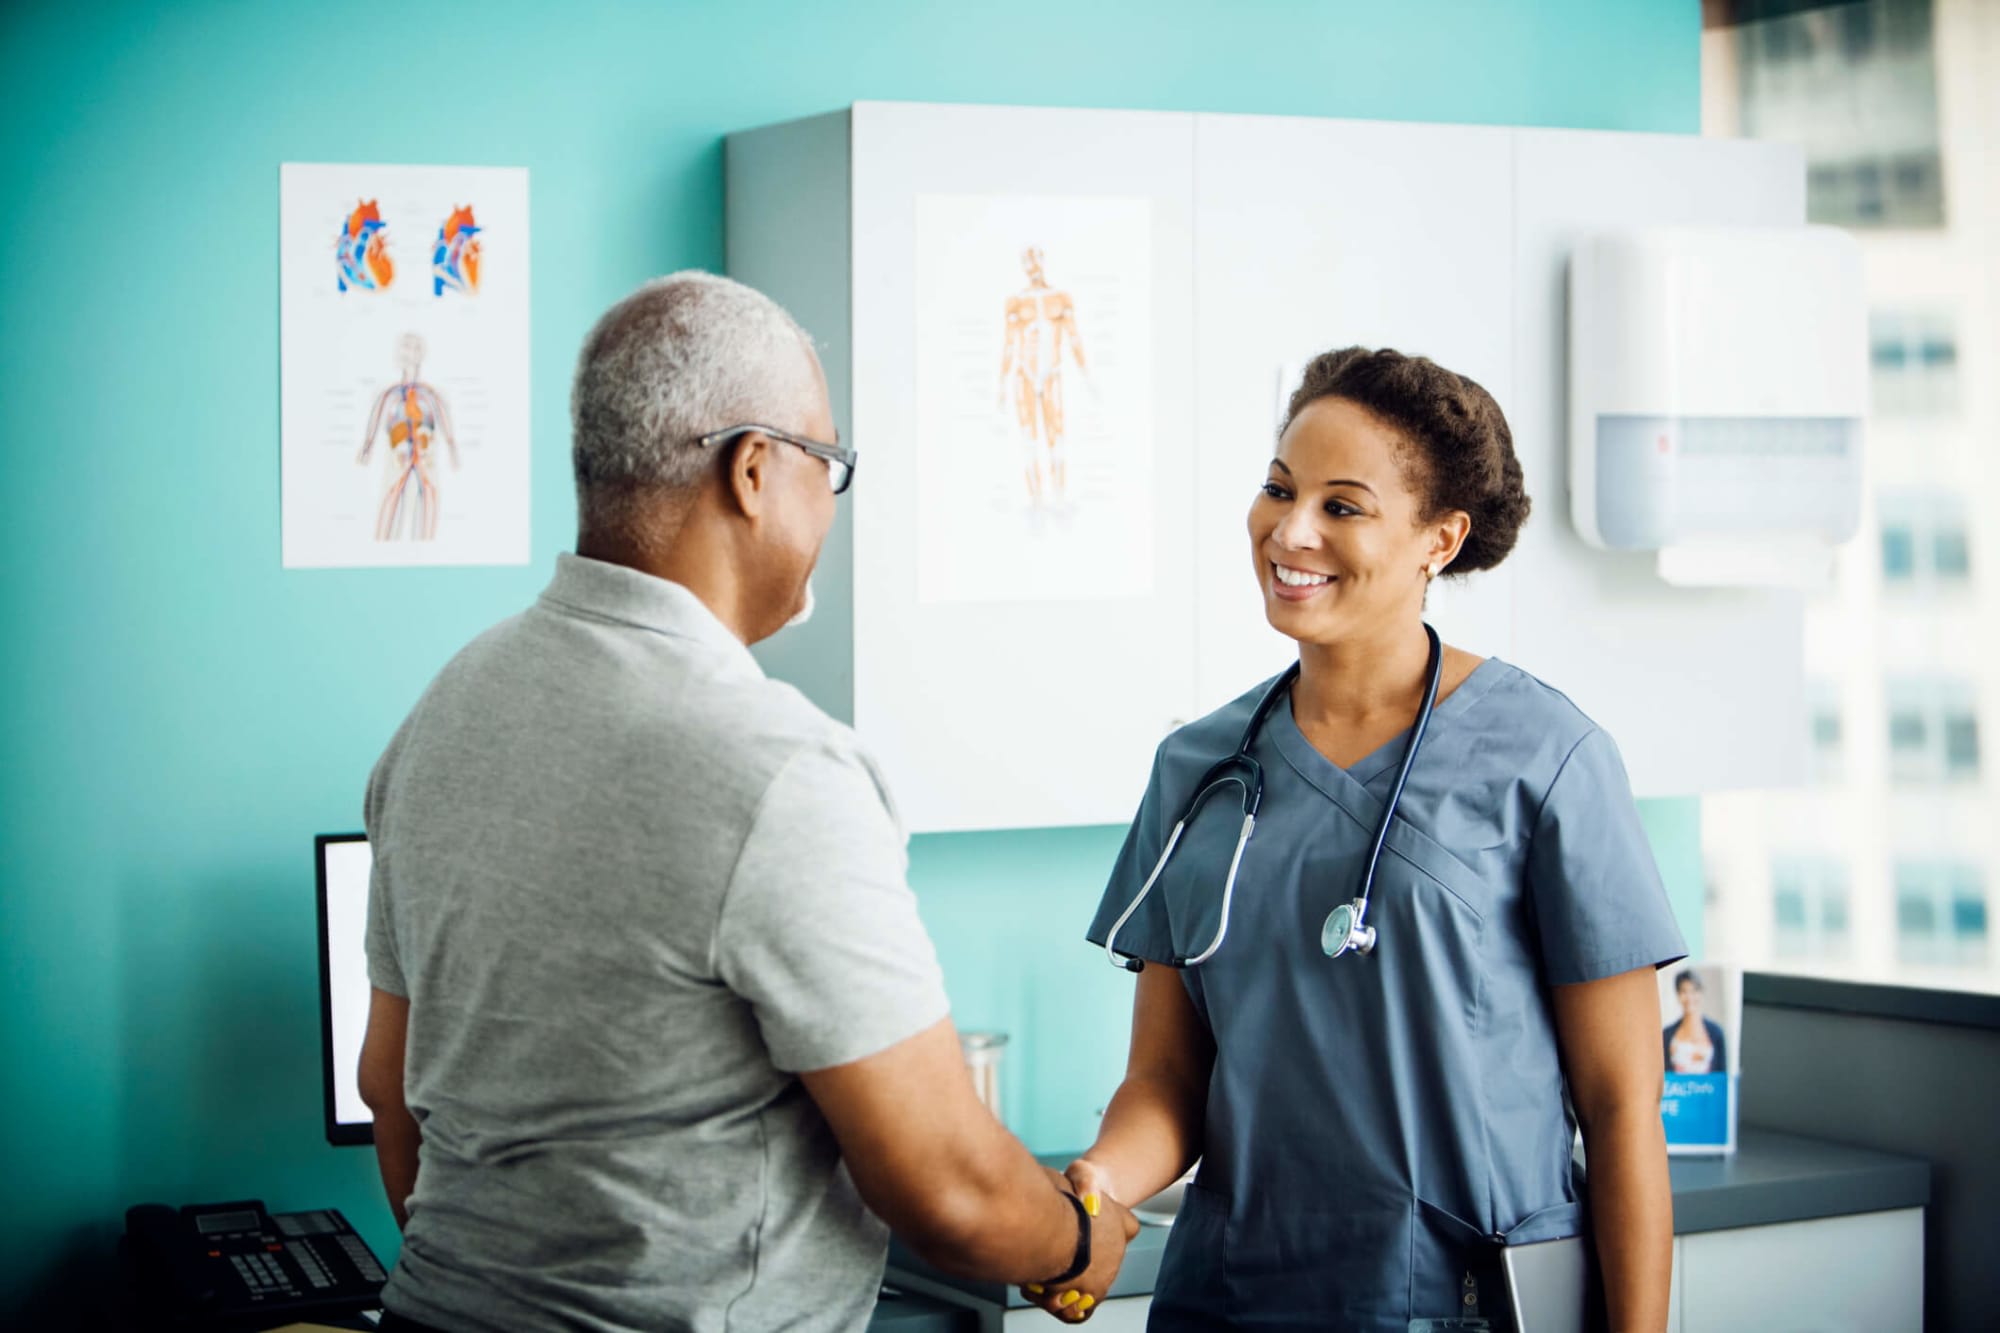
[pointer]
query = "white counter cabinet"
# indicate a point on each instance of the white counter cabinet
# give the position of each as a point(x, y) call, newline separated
point(1862, 1273)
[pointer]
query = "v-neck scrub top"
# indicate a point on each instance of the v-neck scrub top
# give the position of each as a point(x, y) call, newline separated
point(1375, 1122)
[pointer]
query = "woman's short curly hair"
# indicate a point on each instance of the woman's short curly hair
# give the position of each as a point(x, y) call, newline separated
point(1455, 435)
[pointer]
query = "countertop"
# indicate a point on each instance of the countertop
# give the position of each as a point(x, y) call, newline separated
point(1771, 1177)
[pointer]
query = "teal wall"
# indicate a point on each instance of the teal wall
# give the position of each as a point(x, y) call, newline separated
point(180, 715)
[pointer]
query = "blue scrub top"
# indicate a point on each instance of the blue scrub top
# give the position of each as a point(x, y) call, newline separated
point(1375, 1122)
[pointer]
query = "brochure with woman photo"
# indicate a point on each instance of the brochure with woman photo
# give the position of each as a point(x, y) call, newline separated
point(1701, 1008)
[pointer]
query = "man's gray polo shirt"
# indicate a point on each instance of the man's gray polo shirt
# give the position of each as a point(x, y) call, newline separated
point(631, 886)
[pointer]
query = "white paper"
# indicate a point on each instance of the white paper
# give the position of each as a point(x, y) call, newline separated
point(404, 304)
point(1034, 398)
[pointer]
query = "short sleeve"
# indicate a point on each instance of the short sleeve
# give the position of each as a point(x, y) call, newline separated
point(1148, 932)
point(819, 930)
point(1599, 906)
point(385, 970)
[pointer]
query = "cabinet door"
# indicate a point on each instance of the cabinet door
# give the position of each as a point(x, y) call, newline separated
point(1858, 1274)
point(1023, 628)
point(1312, 235)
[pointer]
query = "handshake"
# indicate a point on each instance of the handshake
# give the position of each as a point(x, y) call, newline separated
point(1112, 1228)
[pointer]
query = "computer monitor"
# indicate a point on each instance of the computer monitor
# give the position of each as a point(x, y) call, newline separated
point(344, 862)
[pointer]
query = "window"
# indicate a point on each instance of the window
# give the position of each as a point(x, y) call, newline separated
point(1940, 913)
point(1916, 925)
point(1899, 553)
point(1823, 710)
point(1907, 744)
point(1809, 907)
point(1791, 909)
point(1951, 554)
point(1880, 869)
point(1968, 918)
point(1913, 358)
point(1856, 84)
point(1961, 745)
point(1926, 541)
point(1933, 731)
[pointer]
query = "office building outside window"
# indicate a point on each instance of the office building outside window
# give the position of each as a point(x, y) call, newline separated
point(1879, 867)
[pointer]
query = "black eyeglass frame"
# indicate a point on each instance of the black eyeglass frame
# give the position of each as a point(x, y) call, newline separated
point(840, 460)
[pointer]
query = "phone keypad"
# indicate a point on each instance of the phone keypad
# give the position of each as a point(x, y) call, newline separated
point(363, 1260)
point(309, 1264)
point(263, 1275)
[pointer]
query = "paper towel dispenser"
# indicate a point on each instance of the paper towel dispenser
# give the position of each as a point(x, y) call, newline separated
point(1718, 388)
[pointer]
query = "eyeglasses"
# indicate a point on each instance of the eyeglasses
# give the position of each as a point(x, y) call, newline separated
point(839, 459)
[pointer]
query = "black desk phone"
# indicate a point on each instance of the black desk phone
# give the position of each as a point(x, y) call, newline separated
point(230, 1265)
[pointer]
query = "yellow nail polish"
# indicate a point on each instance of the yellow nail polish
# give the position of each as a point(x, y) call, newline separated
point(1090, 1204)
point(1085, 1304)
point(1068, 1298)
point(1033, 1290)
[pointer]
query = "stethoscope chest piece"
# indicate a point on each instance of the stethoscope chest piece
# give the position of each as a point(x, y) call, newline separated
point(1344, 931)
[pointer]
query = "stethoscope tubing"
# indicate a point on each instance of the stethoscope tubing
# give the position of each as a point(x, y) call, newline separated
point(1224, 772)
point(1435, 675)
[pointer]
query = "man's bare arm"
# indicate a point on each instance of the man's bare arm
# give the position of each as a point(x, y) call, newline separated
point(397, 1137)
point(934, 1164)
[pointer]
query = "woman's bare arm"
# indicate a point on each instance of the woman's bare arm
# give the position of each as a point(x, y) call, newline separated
point(1152, 1129)
point(1608, 1031)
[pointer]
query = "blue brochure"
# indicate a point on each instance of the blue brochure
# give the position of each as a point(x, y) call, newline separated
point(1700, 1009)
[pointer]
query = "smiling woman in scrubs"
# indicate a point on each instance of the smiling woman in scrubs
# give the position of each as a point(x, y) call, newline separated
point(1371, 1127)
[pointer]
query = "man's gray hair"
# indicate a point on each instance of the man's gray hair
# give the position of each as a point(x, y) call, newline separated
point(682, 356)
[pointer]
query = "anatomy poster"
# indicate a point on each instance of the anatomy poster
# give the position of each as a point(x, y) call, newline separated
point(404, 364)
point(1034, 398)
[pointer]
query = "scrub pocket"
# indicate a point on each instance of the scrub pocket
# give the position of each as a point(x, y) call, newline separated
point(1456, 1282)
point(1331, 1268)
point(1192, 1291)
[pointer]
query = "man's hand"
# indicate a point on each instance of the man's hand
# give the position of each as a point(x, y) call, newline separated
point(938, 1168)
point(1111, 1230)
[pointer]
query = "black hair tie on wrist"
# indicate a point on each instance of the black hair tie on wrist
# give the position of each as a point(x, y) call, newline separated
point(1081, 1262)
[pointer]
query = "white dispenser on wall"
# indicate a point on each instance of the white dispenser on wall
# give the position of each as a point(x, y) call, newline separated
point(1718, 388)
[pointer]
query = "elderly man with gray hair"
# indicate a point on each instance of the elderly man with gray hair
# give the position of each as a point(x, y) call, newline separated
point(657, 1040)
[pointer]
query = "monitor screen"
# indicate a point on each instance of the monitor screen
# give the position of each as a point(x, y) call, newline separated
point(344, 863)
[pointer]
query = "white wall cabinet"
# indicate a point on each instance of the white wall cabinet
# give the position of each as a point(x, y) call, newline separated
point(1312, 235)
point(1269, 239)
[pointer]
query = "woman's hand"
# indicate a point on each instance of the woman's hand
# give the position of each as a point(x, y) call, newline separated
point(1112, 1228)
point(1091, 1182)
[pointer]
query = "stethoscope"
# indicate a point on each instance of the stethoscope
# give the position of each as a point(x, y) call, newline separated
point(1346, 925)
